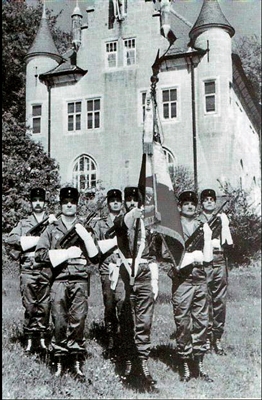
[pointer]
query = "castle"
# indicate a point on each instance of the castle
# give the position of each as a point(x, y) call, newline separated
point(87, 105)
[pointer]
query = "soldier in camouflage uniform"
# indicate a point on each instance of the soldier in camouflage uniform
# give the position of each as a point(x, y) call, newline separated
point(113, 294)
point(189, 296)
point(217, 272)
point(69, 293)
point(141, 293)
point(34, 276)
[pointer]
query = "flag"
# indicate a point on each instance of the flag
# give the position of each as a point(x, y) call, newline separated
point(161, 212)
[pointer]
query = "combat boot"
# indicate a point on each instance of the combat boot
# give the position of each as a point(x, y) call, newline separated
point(201, 373)
point(127, 372)
point(59, 367)
point(218, 347)
point(146, 375)
point(78, 373)
point(185, 371)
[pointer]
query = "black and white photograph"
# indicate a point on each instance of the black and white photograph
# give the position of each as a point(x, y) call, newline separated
point(131, 199)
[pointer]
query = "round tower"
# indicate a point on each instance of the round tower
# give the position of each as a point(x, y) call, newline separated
point(212, 31)
point(42, 57)
point(76, 27)
point(213, 77)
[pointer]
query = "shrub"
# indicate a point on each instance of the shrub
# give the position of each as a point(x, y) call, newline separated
point(245, 225)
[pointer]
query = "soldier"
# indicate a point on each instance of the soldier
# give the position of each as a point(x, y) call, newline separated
point(34, 276)
point(217, 272)
point(113, 294)
point(69, 293)
point(141, 291)
point(189, 295)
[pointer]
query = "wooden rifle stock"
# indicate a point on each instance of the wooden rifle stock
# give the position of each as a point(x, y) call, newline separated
point(196, 240)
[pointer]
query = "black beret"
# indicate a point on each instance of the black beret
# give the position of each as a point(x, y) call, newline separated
point(131, 191)
point(69, 192)
point(37, 192)
point(188, 195)
point(114, 193)
point(208, 193)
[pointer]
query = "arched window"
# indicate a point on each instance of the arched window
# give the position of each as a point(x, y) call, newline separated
point(171, 162)
point(84, 173)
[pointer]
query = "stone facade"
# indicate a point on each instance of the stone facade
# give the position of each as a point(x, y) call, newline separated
point(102, 140)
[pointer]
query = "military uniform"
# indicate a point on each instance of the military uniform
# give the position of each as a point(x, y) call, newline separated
point(69, 294)
point(113, 298)
point(138, 308)
point(190, 304)
point(34, 282)
point(217, 279)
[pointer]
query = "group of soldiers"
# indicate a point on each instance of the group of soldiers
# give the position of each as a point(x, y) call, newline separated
point(55, 281)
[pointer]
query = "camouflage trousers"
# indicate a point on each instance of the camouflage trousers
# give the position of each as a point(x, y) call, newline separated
point(190, 310)
point(35, 292)
point(69, 306)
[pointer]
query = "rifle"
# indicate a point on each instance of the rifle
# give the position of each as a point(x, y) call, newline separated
point(36, 230)
point(71, 237)
point(39, 228)
point(196, 240)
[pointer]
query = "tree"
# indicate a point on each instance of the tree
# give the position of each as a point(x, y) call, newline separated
point(249, 50)
point(25, 165)
point(20, 24)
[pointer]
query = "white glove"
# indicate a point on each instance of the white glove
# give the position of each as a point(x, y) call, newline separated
point(52, 218)
point(82, 232)
point(216, 244)
point(224, 219)
point(225, 230)
point(86, 236)
point(198, 256)
point(154, 284)
point(28, 242)
point(207, 232)
point(58, 256)
point(132, 215)
point(74, 252)
point(187, 259)
point(154, 278)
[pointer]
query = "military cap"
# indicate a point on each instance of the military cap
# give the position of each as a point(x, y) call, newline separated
point(69, 192)
point(114, 193)
point(131, 191)
point(188, 195)
point(208, 193)
point(37, 192)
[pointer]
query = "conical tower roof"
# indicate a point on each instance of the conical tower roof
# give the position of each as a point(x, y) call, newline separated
point(44, 42)
point(210, 16)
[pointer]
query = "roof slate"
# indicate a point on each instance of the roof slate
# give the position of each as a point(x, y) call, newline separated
point(43, 42)
point(211, 15)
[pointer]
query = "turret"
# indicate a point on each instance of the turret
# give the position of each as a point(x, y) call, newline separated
point(214, 77)
point(76, 27)
point(41, 57)
point(212, 32)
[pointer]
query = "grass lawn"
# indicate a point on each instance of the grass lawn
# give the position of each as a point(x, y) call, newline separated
point(236, 375)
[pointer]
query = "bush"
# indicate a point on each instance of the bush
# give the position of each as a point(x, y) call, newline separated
point(245, 225)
